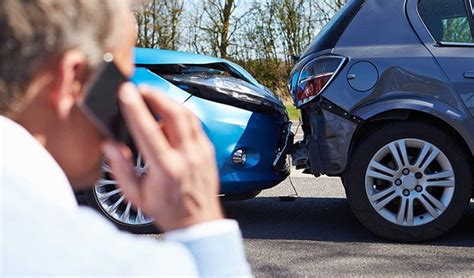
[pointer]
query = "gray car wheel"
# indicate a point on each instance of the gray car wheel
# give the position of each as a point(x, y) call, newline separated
point(408, 181)
point(410, 192)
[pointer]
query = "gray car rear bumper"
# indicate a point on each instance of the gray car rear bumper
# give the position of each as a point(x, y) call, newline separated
point(328, 134)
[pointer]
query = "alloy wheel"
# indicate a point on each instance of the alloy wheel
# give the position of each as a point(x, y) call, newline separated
point(112, 201)
point(410, 182)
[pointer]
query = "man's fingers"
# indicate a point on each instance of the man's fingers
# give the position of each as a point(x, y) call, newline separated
point(174, 117)
point(123, 171)
point(145, 131)
point(196, 126)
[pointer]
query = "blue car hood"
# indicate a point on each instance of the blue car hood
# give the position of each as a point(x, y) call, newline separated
point(151, 56)
point(147, 57)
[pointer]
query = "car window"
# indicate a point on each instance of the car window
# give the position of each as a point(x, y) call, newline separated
point(447, 20)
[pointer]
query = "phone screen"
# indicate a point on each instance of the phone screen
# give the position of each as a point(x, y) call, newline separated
point(101, 102)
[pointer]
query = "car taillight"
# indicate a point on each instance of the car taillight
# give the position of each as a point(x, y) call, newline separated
point(316, 76)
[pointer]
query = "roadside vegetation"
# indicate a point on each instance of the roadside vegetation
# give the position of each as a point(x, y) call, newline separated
point(293, 113)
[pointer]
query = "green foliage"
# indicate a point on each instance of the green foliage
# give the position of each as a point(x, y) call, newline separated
point(271, 73)
point(293, 113)
point(457, 30)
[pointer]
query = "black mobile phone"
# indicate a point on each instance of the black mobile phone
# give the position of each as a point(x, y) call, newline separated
point(101, 102)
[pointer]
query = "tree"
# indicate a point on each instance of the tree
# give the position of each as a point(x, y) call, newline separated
point(327, 9)
point(215, 25)
point(158, 24)
point(258, 37)
point(296, 24)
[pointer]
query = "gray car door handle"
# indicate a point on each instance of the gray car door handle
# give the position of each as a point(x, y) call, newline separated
point(469, 74)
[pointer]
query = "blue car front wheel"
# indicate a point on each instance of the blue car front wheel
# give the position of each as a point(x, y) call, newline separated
point(107, 198)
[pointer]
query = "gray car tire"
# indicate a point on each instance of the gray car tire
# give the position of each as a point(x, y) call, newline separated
point(355, 182)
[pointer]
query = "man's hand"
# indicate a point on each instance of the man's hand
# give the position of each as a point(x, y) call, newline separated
point(181, 186)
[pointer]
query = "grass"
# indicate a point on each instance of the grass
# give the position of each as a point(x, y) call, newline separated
point(293, 113)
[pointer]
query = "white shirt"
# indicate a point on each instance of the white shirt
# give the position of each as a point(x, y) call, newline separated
point(45, 232)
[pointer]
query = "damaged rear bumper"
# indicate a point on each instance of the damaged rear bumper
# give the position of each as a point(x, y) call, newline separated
point(328, 132)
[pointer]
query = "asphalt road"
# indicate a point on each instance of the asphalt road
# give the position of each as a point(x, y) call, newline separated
point(317, 235)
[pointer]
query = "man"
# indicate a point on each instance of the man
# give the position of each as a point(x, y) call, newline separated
point(48, 51)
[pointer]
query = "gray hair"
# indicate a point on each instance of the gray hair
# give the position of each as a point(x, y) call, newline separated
point(32, 32)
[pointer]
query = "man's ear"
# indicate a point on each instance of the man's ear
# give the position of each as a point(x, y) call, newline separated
point(68, 82)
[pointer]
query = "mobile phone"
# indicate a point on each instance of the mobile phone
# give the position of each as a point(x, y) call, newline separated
point(101, 102)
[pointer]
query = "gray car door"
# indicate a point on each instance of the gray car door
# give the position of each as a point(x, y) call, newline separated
point(450, 24)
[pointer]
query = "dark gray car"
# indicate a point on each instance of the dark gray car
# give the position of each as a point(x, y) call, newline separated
point(386, 91)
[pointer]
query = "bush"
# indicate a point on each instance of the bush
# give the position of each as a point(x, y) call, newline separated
point(273, 74)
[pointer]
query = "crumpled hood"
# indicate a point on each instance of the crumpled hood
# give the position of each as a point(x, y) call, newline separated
point(232, 91)
point(145, 76)
point(146, 57)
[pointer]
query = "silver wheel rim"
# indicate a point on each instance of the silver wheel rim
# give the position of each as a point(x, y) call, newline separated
point(410, 182)
point(112, 201)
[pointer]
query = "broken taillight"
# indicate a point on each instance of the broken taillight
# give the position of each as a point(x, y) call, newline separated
point(316, 76)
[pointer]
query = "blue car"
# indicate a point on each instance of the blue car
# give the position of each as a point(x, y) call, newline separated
point(246, 122)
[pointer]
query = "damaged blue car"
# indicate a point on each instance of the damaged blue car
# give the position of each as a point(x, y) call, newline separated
point(246, 122)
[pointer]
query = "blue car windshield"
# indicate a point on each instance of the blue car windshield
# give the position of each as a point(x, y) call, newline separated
point(330, 34)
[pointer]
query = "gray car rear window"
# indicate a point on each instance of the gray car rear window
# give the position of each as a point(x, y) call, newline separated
point(447, 20)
